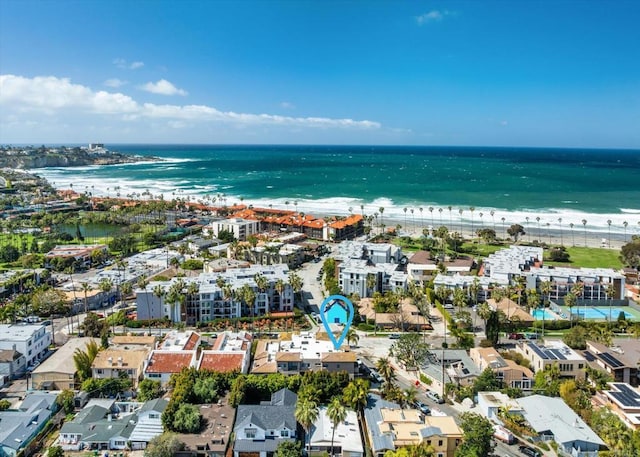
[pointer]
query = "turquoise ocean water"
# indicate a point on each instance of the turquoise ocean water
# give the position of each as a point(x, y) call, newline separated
point(515, 183)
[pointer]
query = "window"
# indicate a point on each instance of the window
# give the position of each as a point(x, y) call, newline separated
point(439, 443)
point(250, 433)
point(284, 433)
point(100, 371)
point(154, 416)
point(119, 443)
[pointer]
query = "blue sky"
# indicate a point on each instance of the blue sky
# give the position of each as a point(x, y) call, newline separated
point(504, 73)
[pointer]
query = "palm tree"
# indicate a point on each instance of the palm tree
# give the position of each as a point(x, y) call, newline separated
point(561, 239)
point(625, 224)
point(337, 413)
point(352, 337)
point(405, 217)
point(440, 211)
point(493, 219)
point(192, 291)
point(570, 301)
point(610, 290)
point(386, 370)
point(528, 231)
point(421, 219)
point(410, 395)
point(356, 393)
point(472, 209)
point(85, 288)
point(296, 284)
point(279, 287)
point(545, 288)
point(539, 233)
point(573, 236)
point(578, 290)
point(609, 224)
point(584, 224)
point(381, 210)
point(431, 211)
point(159, 292)
point(504, 230)
point(306, 413)
point(142, 284)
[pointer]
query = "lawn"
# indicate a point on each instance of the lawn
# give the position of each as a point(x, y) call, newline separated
point(590, 258)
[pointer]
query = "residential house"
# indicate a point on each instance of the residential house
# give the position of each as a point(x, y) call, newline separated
point(58, 372)
point(509, 372)
point(104, 425)
point(164, 363)
point(490, 404)
point(624, 400)
point(229, 352)
point(571, 364)
point(80, 253)
point(512, 310)
point(553, 420)
point(110, 363)
point(621, 363)
point(260, 428)
point(302, 353)
point(18, 427)
point(459, 369)
point(390, 427)
point(347, 441)
point(213, 440)
point(12, 364)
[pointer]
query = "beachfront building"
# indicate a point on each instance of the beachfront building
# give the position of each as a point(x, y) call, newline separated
point(239, 227)
point(509, 372)
point(594, 281)
point(346, 438)
point(390, 427)
point(571, 364)
point(553, 420)
point(211, 295)
point(31, 340)
point(303, 352)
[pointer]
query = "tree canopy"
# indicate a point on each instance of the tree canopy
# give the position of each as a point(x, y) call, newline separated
point(477, 436)
point(630, 252)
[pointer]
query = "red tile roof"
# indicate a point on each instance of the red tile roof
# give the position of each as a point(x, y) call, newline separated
point(169, 362)
point(221, 362)
point(351, 220)
point(192, 342)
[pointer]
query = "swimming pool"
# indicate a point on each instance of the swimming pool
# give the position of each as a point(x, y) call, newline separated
point(600, 312)
point(539, 314)
point(336, 314)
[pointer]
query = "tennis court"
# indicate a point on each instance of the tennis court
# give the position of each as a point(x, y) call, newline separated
point(601, 313)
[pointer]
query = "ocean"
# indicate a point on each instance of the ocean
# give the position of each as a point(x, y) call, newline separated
point(436, 185)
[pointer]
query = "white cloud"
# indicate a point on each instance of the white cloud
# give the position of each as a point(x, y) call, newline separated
point(162, 87)
point(123, 64)
point(114, 82)
point(432, 16)
point(50, 95)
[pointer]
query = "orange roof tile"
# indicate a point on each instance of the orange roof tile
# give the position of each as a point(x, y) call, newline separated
point(339, 357)
point(192, 342)
point(221, 362)
point(169, 362)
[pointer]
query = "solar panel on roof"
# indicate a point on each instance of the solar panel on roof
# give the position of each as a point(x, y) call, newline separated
point(589, 356)
point(610, 360)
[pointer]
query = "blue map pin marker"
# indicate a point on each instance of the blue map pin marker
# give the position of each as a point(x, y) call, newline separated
point(342, 314)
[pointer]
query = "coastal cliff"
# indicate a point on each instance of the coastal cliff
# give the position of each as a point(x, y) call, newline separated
point(42, 157)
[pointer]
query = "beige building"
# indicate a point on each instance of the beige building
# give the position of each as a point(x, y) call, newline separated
point(390, 427)
point(302, 353)
point(111, 362)
point(512, 310)
point(512, 374)
point(59, 370)
point(572, 365)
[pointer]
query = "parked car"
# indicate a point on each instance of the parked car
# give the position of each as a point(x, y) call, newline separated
point(516, 336)
point(422, 407)
point(394, 336)
point(434, 396)
point(529, 452)
point(376, 377)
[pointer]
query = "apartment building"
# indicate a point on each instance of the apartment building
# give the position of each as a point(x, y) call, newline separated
point(30, 340)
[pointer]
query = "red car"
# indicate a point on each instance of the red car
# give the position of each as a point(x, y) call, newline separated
point(516, 336)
